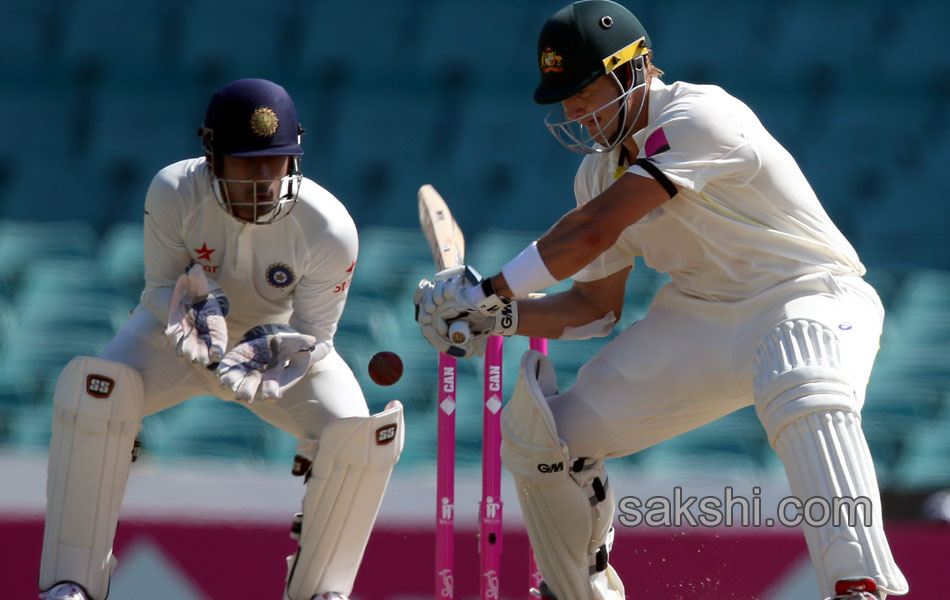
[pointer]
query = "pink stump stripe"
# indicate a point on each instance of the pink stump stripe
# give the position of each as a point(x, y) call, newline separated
point(445, 484)
point(490, 508)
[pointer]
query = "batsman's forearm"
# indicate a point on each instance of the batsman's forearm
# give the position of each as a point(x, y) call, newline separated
point(549, 316)
point(572, 244)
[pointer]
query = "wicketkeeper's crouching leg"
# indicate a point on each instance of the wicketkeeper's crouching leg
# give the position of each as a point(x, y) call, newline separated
point(345, 487)
point(567, 504)
point(98, 406)
point(805, 400)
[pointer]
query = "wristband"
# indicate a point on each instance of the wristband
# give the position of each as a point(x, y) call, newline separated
point(527, 273)
point(484, 297)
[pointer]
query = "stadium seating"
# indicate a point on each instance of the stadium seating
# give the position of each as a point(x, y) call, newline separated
point(99, 95)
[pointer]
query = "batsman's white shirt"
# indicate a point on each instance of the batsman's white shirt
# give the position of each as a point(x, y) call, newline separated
point(745, 219)
point(746, 244)
point(296, 271)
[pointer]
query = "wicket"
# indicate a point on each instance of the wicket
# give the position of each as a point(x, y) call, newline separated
point(490, 506)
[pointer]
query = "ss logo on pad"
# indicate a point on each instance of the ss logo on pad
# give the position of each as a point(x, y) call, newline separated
point(99, 386)
point(385, 434)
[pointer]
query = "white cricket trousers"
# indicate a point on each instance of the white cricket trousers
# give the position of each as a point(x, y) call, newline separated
point(328, 392)
point(690, 361)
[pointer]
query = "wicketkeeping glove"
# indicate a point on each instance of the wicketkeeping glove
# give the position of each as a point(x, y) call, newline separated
point(266, 362)
point(196, 318)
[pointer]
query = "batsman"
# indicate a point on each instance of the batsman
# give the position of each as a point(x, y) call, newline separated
point(766, 306)
point(247, 266)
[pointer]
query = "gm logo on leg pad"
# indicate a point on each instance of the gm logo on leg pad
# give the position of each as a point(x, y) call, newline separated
point(99, 386)
point(555, 468)
point(385, 434)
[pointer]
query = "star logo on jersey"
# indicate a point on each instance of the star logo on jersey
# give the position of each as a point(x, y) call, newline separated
point(204, 253)
point(551, 61)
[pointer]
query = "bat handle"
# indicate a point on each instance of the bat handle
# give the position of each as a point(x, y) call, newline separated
point(459, 332)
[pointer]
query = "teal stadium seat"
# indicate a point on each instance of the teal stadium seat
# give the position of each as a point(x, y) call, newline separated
point(118, 41)
point(225, 41)
point(62, 310)
point(925, 463)
point(381, 157)
point(846, 35)
point(374, 43)
point(454, 41)
point(391, 262)
point(121, 259)
point(739, 34)
point(22, 243)
point(26, 39)
point(153, 128)
point(919, 33)
point(207, 428)
point(505, 170)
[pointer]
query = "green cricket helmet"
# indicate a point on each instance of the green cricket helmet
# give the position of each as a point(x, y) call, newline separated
point(579, 44)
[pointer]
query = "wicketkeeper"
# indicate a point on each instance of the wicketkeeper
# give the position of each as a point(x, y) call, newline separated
point(247, 266)
point(766, 306)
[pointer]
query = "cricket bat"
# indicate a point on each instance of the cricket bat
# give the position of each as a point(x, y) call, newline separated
point(446, 242)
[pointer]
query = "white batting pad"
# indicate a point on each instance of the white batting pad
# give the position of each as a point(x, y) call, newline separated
point(807, 404)
point(344, 491)
point(98, 407)
point(567, 507)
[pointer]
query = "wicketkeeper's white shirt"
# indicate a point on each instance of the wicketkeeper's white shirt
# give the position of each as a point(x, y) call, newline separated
point(296, 270)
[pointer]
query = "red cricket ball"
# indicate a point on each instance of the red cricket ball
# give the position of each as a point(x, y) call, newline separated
point(385, 368)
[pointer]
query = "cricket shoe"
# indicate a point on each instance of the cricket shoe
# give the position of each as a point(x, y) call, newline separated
point(856, 588)
point(330, 596)
point(64, 591)
point(543, 592)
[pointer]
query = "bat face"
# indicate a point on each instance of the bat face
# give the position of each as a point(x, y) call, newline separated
point(441, 231)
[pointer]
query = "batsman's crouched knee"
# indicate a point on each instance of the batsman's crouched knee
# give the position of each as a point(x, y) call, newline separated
point(567, 503)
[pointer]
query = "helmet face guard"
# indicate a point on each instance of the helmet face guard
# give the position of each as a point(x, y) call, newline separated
point(258, 201)
point(577, 137)
point(577, 46)
point(251, 118)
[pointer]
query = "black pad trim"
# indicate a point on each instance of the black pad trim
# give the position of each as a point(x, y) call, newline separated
point(654, 171)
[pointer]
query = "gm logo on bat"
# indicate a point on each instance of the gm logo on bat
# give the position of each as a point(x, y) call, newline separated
point(99, 386)
point(385, 434)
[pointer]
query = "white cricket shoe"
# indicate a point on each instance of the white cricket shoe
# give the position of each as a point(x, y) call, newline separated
point(64, 591)
point(330, 596)
point(856, 588)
